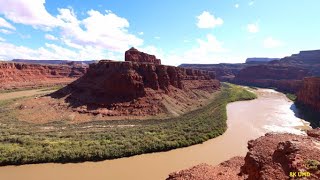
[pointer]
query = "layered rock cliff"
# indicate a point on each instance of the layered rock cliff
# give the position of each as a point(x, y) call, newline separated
point(284, 78)
point(19, 75)
point(136, 56)
point(223, 71)
point(285, 74)
point(273, 156)
point(309, 94)
point(134, 88)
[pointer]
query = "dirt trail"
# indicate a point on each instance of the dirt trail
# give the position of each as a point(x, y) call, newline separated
point(24, 93)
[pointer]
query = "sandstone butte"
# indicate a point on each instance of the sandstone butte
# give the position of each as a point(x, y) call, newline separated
point(135, 87)
point(134, 55)
point(273, 156)
point(23, 75)
point(309, 94)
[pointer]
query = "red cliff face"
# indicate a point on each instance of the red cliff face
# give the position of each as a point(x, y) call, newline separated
point(19, 75)
point(111, 85)
point(136, 56)
point(284, 78)
point(309, 94)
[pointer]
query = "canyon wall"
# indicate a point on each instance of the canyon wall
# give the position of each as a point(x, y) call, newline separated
point(20, 75)
point(309, 94)
point(283, 78)
point(223, 71)
point(285, 74)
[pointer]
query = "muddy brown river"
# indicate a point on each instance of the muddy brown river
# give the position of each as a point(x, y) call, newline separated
point(247, 120)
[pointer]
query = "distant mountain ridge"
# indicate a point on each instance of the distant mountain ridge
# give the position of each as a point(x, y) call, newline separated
point(32, 61)
point(260, 59)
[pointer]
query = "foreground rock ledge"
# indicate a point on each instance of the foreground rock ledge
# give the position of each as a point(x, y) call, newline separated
point(273, 156)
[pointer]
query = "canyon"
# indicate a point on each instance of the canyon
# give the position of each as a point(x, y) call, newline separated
point(139, 87)
point(285, 74)
point(24, 75)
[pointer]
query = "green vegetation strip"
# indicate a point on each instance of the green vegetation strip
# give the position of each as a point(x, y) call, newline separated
point(290, 96)
point(24, 143)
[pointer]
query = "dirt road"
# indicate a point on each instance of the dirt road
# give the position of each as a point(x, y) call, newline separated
point(25, 93)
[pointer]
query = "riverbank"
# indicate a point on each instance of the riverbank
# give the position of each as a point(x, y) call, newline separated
point(26, 143)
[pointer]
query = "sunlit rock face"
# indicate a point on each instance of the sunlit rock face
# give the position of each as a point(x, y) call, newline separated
point(134, 55)
point(22, 75)
point(309, 94)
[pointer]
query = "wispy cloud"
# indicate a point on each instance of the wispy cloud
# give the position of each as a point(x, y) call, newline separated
point(253, 28)
point(5, 31)
point(207, 20)
point(6, 24)
point(50, 37)
point(28, 12)
point(270, 42)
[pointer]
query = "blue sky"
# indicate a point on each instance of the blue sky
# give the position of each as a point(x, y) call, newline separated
point(203, 31)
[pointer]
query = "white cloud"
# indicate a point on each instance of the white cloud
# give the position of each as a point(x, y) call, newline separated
point(6, 24)
point(101, 30)
point(2, 39)
point(209, 50)
point(251, 3)
point(107, 30)
point(5, 31)
point(157, 37)
point(207, 20)
point(28, 12)
point(272, 43)
point(253, 28)
point(50, 37)
point(236, 5)
point(141, 33)
point(10, 51)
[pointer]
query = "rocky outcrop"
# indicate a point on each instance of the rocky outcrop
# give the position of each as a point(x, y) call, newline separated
point(136, 56)
point(19, 75)
point(309, 94)
point(132, 88)
point(226, 170)
point(273, 156)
